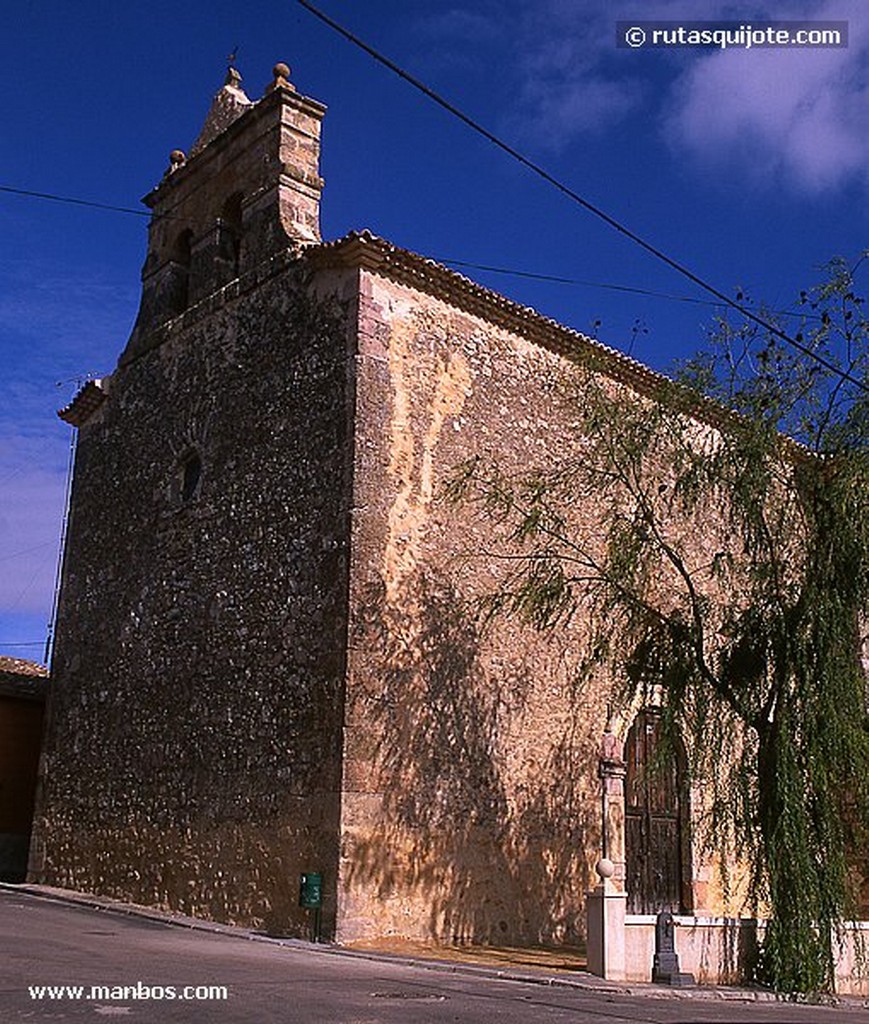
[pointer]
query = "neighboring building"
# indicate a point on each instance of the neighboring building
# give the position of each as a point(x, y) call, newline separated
point(23, 687)
point(264, 665)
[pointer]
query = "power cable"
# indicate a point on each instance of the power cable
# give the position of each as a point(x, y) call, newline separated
point(723, 298)
point(575, 196)
point(26, 551)
point(630, 289)
point(71, 199)
point(467, 264)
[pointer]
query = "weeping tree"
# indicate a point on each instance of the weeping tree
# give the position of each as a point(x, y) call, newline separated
point(725, 570)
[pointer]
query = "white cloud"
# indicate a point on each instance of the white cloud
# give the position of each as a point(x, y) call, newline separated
point(569, 85)
point(797, 117)
point(553, 113)
point(53, 326)
point(458, 23)
point(62, 310)
point(32, 488)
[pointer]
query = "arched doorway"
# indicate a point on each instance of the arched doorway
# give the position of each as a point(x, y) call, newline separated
point(656, 816)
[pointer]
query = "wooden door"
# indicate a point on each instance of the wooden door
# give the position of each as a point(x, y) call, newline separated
point(653, 822)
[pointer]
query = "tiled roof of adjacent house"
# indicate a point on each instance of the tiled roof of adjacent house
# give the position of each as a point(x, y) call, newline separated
point(22, 678)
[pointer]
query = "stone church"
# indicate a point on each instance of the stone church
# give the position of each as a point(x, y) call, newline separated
point(265, 665)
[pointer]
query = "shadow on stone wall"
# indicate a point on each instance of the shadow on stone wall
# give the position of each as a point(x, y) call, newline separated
point(483, 830)
point(740, 948)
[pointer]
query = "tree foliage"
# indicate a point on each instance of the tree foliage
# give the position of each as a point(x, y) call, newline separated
point(725, 570)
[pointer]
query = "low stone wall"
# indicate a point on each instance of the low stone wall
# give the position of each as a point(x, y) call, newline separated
point(720, 950)
point(716, 950)
point(852, 965)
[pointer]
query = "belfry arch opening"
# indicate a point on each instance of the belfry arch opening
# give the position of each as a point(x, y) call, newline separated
point(181, 256)
point(229, 236)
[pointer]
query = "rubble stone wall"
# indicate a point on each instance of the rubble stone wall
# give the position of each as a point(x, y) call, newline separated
point(195, 732)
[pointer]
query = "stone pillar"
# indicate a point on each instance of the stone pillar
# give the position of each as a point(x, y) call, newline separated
point(606, 904)
point(611, 771)
point(605, 908)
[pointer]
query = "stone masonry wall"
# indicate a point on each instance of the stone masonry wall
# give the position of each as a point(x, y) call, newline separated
point(471, 804)
point(195, 732)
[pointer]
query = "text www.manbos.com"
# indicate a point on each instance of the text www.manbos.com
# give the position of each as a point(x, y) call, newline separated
point(111, 993)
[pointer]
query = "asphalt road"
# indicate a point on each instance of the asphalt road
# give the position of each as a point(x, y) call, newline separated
point(52, 953)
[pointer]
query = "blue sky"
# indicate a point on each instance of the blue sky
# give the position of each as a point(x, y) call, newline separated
point(750, 167)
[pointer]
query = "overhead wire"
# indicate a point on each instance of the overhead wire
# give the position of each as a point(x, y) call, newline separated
point(61, 545)
point(541, 172)
point(447, 261)
point(630, 289)
point(26, 551)
point(72, 199)
point(722, 297)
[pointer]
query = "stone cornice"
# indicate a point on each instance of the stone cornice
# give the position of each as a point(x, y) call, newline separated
point(367, 251)
point(85, 403)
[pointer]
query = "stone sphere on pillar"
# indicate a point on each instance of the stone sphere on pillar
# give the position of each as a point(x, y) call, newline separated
point(605, 868)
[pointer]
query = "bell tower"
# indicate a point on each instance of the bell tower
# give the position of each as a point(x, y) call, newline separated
point(250, 188)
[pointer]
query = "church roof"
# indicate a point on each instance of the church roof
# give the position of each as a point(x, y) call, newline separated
point(370, 252)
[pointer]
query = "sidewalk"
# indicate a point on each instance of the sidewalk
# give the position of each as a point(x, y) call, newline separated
point(565, 959)
point(554, 967)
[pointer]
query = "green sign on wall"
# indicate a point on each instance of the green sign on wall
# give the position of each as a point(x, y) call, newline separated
point(311, 891)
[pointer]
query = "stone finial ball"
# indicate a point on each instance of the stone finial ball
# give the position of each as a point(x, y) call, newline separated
point(605, 867)
point(177, 156)
point(281, 70)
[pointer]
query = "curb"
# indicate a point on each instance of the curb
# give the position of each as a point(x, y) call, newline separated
point(580, 980)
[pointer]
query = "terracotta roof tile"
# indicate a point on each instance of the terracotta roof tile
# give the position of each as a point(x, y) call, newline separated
point(86, 402)
point(368, 251)
point(23, 679)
